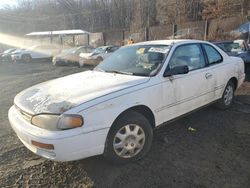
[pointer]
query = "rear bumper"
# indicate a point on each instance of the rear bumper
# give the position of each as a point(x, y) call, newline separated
point(64, 62)
point(66, 148)
point(241, 80)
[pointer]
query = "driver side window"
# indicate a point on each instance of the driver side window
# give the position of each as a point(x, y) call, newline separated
point(190, 55)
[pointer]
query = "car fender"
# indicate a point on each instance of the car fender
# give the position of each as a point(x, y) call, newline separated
point(103, 114)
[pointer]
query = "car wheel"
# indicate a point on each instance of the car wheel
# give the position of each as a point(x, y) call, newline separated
point(227, 98)
point(55, 63)
point(129, 138)
point(80, 64)
point(99, 59)
point(26, 58)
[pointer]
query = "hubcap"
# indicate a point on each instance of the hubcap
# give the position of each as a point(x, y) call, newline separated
point(26, 58)
point(129, 141)
point(228, 96)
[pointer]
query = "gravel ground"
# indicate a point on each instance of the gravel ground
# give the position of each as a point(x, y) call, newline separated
point(216, 155)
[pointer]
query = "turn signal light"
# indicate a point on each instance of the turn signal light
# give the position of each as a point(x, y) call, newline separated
point(42, 145)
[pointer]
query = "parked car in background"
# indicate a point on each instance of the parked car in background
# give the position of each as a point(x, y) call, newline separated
point(113, 109)
point(237, 48)
point(6, 55)
point(71, 56)
point(36, 52)
point(98, 55)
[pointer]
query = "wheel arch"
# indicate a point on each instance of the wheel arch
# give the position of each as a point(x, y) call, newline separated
point(235, 82)
point(142, 109)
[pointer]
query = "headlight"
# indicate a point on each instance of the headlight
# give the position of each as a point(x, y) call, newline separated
point(57, 122)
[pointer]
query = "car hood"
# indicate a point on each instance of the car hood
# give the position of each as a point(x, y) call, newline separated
point(59, 95)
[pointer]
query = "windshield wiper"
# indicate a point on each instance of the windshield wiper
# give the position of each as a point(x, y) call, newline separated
point(119, 72)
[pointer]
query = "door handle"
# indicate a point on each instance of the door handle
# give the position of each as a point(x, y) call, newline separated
point(208, 75)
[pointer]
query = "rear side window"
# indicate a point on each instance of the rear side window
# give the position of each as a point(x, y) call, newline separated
point(213, 55)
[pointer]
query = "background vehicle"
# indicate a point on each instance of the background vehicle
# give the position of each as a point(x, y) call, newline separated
point(71, 56)
point(36, 52)
point(98, 55)
point(6, 55)
point(237, 48)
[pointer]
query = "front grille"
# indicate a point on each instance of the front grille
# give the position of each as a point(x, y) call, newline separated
point(24, 114)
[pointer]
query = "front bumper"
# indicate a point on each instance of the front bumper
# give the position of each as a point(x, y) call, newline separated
point(241, 80)
point(63, 62)
point(66, 147)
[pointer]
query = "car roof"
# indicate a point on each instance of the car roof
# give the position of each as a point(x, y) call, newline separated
point(83, 47)
point(103, 47)
point(169, 42)
point(228, 41)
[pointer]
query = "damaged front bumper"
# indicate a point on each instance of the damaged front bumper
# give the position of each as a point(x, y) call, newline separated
point(66, 147)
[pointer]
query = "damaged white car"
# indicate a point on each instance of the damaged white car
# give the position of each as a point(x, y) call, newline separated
point(113, 109)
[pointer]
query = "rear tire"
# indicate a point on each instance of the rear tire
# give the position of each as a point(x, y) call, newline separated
point(129, 138)
point(227, 98)
point(26, 58)
point(99, 59)
point(80, 64)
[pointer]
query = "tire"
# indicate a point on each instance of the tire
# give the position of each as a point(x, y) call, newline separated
point(132, 134)
point(55, 63)
point(99, 59)
point(227, 98)
point(26, 58)
point(80, 64)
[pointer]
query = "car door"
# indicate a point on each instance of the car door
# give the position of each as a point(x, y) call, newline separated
point(222, 70)
point(186, 92)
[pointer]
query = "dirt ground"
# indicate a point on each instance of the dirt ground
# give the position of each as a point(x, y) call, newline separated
point(216, 155)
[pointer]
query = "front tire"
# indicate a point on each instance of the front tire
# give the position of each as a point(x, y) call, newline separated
point(81, 64)
point(99, 59)
point(228, 97)
point(129, 139)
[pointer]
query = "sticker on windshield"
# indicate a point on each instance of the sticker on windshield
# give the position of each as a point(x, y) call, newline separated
point(159, 50)
point(140, 51)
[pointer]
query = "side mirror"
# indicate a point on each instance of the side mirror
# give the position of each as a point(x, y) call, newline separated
point(176, 70)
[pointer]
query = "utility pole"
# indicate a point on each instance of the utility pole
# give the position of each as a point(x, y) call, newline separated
point(248, 38)
point(148, 22)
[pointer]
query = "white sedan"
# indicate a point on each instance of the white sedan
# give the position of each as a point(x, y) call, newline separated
point(35, 52)
point(113, 109)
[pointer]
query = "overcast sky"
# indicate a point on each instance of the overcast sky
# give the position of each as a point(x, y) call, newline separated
point(7, 2)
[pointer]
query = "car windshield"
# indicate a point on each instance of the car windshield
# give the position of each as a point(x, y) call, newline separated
point(140, 60)
point(231, 46)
